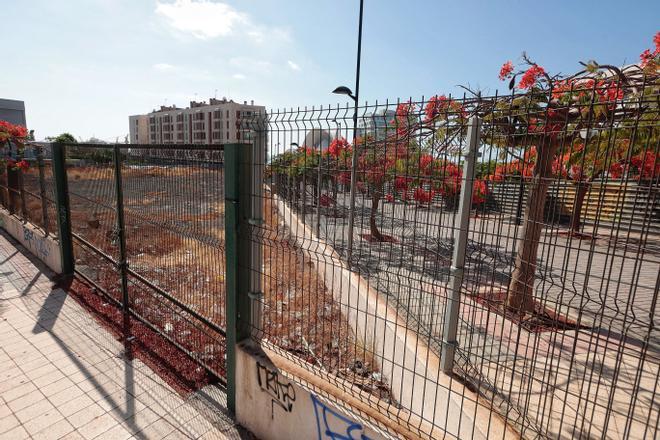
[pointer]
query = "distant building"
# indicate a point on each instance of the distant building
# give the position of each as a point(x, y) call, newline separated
point(218, 122)
point(377, 124)
point(12, 111)
point(318, 137)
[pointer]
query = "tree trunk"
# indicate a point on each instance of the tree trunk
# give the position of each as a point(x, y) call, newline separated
point(576, 215)
point(521, 288)
point(375, 200)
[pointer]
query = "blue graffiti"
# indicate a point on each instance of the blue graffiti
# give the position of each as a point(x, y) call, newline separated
point(36, 244)
point(328, 419)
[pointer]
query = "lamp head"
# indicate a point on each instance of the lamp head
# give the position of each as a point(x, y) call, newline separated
point(343, 90)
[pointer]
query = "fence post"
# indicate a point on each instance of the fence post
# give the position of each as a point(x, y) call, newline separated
point(237, 256)
point(256, 164)
point(21, 192)
point(42, 188)
point(62, 208)
point(460, 242)
point(122, 264)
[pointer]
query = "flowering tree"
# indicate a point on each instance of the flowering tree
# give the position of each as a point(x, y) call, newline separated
point(560, 124)
point(15, 135)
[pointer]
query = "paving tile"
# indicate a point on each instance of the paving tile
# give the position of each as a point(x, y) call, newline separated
point(54, 431)
point(117, 432)
point(158, 429)
point(97, 426)
point(42, 421)
point(19, 391)
point(8, 422)
point(40, 407)
point(18, 433)
point(74, 435)
point(86, 415)
point(26, 401)
point(56, 387)
point(75, 405)
point(64, 396)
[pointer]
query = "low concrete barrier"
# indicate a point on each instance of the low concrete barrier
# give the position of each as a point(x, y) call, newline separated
point(45, 248)
point(272, 406)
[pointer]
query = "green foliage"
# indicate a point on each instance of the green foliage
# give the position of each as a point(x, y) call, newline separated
point(66, 138)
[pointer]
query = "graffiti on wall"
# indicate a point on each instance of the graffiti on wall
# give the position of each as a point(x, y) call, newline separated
point(38, 245)
point(282, 393)
point(330, 424)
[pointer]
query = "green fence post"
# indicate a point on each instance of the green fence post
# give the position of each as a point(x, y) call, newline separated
point(122, 264)
point(237, 256)
point(63, 209)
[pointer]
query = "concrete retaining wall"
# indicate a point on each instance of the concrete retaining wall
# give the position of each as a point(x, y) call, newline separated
point(410, 367)
point(274, 407)
point(44, 248)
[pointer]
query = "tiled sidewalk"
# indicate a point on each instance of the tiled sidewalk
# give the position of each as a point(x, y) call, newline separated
point(63, 376)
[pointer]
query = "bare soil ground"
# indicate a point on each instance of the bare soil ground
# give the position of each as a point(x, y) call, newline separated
point(174, 220)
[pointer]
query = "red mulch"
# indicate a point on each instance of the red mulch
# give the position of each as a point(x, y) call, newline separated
point(543, 319)
point(173, 365)
point(386, 238)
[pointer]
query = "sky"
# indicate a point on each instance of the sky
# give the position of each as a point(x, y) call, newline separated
point(84, 66)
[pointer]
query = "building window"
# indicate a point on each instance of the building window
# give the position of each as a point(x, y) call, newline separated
point(217, 114)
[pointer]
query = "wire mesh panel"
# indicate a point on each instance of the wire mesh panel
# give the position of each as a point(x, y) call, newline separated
point(92, 198)
point(172, 206)
point(556, 333)
point(174, 216)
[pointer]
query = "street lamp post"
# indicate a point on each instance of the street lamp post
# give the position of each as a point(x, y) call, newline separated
point(342, 90)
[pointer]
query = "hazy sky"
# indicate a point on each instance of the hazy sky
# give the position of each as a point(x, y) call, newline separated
point(83, 66)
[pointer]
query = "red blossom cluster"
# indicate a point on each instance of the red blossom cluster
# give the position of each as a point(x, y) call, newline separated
point(12, 131)
point(531, 77)
point(479, 192)
point(423, 196)
point(647, 57)
point(338, 147)
point(506, 70)
point(441, 105)
point(22, 165)
point(647, 165)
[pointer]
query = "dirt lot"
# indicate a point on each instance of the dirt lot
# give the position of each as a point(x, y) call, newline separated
point(174, 219)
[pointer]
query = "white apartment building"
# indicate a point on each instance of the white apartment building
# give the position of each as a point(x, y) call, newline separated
point(217, 122)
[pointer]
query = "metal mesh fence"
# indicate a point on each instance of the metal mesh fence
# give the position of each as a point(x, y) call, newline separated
point(172, 204)
point(557, 301)
point(28, 193)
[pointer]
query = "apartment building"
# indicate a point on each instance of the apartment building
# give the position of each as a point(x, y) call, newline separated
point(216, 122)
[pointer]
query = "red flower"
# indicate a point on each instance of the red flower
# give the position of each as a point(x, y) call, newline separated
point(647, 56)
point(616, 170)
point(479, 192)
point(423, 196)
point(425, 160)
point(530, 77)
point(338, 146)
point(505, 71)
point(434, 106)
point(647, 165)
point(23, 165)
point(389, 198)
point(401, 183)
point(8, 130)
